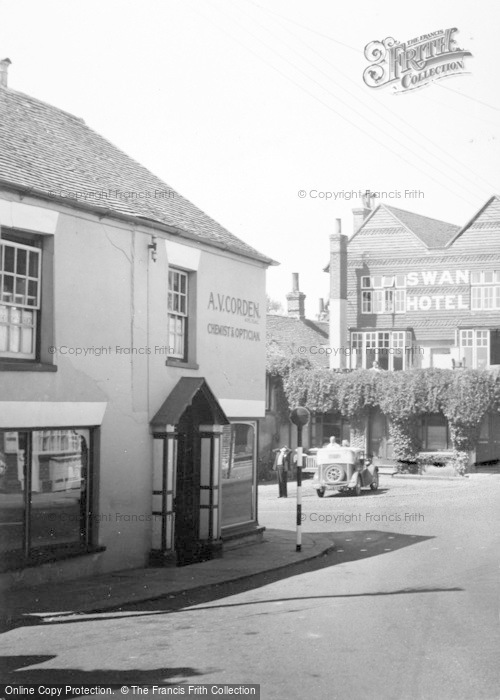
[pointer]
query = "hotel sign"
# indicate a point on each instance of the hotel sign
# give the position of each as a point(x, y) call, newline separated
point(437, 302)
point(411, 65)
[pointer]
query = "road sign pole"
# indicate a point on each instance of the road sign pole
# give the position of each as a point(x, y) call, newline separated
point(298, 546)
point(299, 417)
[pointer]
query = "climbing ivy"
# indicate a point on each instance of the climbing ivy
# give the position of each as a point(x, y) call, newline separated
point(462, 396)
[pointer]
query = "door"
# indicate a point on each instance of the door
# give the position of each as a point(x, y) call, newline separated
point(187, 495)
point(488, 448)
point(380, 445)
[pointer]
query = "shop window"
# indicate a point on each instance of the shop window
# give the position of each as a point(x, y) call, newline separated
point(45, 481)
point(434, 433)
point(238, 473)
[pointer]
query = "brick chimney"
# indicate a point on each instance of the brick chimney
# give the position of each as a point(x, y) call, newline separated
point(4, 72)
point(338, 297)
point(361, 213)
point(295, 299)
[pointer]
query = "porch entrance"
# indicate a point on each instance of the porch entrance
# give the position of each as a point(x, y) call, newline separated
point(186, 475)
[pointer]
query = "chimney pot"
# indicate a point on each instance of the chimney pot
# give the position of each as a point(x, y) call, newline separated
point(338, 226)
point(4, 72)
point(295, 299)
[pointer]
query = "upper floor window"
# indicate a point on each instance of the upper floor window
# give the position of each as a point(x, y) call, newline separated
point(383, 294)
point(177, 313)
point(479, 349)
point(20, 283)
point(485, 290)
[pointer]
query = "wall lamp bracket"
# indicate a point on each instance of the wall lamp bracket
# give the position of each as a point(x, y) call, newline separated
point(153, 247)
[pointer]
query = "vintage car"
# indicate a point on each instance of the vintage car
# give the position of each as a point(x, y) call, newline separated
point(343, 469)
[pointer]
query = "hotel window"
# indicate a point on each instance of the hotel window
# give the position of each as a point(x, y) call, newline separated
point(434, 433)
point(177, 313)
point(485, 290)
point(393, 350)
point(479, 349)
point(378, 295)
point(20, 293)
point(45, 482)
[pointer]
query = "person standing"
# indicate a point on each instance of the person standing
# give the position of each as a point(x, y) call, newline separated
point(282, 467)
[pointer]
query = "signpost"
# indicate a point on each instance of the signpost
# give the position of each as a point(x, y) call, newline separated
point(299, 417)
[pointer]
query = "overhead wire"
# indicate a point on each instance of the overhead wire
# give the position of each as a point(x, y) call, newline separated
point(436, 146)
point(353, 124)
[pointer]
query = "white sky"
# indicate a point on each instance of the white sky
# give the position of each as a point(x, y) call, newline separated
point(240, 104)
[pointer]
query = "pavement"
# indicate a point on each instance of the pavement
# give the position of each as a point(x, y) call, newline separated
point(111, 591)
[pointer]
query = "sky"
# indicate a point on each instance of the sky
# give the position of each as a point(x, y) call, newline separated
point(240, 105)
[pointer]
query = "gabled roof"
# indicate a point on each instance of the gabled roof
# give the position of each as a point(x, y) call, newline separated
point(476, 216)
point(180, 398)
point(287, 334)
point(433, 233)
point(52, 153)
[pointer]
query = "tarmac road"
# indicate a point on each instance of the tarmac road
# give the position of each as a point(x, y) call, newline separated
point(402, 609)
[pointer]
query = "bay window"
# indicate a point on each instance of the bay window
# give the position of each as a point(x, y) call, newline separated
point(392, 350)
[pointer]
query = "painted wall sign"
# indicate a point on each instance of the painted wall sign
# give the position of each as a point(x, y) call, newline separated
point(234, 305)
point(411, 65)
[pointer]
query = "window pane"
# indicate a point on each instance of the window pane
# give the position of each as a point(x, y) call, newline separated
point(33, 263)
point(59, 478)
point(21, 264)
point(12, 483)
point(9, 258)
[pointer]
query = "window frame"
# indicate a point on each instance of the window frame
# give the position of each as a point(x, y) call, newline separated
point(32, 246)
point(179, 315)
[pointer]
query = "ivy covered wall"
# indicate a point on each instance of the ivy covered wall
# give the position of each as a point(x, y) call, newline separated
point(462, 396)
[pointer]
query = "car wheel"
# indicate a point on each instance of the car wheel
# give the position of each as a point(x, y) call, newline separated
point(374, 484)
point(357, 489)
point(334, 474)
point(320, 492)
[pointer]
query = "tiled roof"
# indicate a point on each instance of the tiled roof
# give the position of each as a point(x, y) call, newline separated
point(50, 151)
point(432, 232)
point(287, 334)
